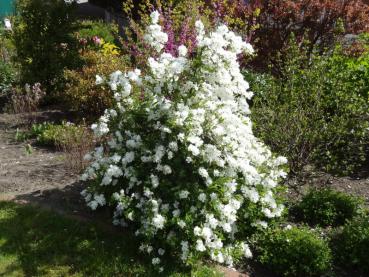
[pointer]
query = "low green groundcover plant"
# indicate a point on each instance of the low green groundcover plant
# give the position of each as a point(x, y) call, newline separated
point(350, 246)
point(179, 162)
point(49, 134)
point(327, 207)
point(295, 252)
point(35, 242)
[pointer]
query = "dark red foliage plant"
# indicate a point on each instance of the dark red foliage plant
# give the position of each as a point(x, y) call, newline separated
point(320, 22)
point(266, 24)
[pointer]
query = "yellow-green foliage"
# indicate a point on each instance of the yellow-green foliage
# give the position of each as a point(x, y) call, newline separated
point(109, 49)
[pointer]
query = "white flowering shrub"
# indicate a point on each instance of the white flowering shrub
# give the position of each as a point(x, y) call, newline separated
point(181, 165)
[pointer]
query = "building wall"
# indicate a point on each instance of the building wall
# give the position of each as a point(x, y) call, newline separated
point(6, 8)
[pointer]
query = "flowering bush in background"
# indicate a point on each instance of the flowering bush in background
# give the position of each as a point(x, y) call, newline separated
point(177, 18)
point(181, 165)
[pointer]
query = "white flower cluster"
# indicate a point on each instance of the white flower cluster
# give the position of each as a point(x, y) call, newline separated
point(154, 36)
point(181, 161)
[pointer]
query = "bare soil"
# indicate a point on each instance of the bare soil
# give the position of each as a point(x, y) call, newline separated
point(357, 186)
point(38, 176)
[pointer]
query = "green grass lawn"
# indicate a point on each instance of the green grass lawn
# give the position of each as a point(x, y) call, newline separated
point(35, 242)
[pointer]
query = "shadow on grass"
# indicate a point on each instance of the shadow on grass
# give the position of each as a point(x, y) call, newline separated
point(65, 201)
point(35, 242)
point(42, 241)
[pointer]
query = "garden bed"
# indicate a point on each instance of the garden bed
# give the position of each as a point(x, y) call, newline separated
point(31, 175)
point(43, 186)
point(42, 178)
point(213, 134)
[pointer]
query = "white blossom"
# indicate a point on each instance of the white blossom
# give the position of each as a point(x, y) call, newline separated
point(179, 158)
point(155, 261)
point(202, 197)
point(158, 221)
point(200, 245)
point(183, 194)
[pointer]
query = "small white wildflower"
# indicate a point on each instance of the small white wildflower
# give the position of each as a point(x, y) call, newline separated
point(203, 172)
point(173, 146)
point(197, 231)
point(246, 250)
point(154, 181)
point(200, 246)
point(155, 261)
point(182, 51)
point(93, 205)
point(167, 170)
point(176, 213)
point(202, 197)
point(155, 17)
point(183, 194)
point(158, 221)
point(99, 80)
point(181, 224)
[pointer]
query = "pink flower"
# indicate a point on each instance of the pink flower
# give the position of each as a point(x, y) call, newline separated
point(96, 40)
